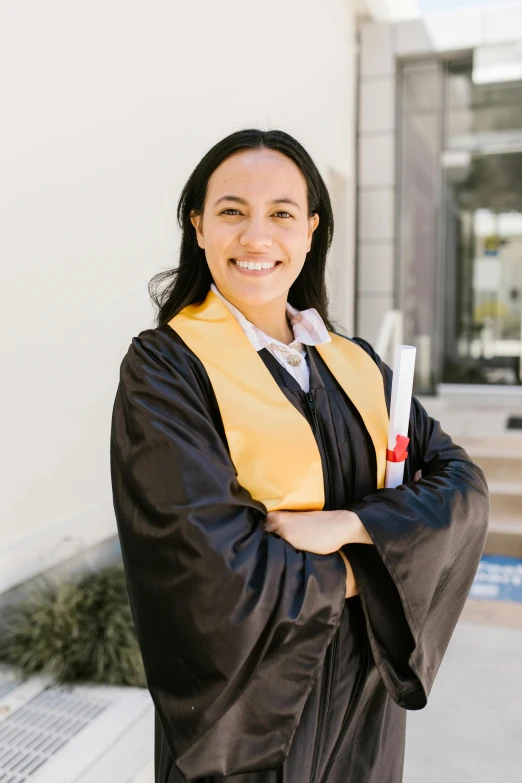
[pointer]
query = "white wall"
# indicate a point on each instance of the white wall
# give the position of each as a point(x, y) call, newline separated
point(392, 10)
point(107, 106)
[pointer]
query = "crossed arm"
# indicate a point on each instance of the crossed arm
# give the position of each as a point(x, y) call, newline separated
point(322, 532)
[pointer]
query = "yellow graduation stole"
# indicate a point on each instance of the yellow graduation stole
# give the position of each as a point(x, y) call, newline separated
point(272, 445)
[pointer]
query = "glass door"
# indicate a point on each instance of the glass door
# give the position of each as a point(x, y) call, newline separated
point(483, 291)
point(482, 230)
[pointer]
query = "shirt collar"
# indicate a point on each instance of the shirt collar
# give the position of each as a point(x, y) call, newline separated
point(307, 325)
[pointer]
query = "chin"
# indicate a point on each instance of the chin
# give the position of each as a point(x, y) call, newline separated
point(256, 298)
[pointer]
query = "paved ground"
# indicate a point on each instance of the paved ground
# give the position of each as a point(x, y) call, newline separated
point(471, 730)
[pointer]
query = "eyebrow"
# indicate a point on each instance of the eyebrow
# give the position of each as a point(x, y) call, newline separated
point(240, 200)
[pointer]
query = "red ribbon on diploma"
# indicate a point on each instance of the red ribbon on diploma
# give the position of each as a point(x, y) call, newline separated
point(399, 453)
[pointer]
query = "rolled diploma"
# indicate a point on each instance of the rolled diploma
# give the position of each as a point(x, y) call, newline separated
point(402, 386)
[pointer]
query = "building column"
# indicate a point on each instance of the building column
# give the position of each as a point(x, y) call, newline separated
point(376, 187)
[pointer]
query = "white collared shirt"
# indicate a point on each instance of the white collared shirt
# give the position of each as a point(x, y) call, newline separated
point(308, 328)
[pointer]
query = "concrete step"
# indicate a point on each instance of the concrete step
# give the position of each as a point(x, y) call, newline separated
point(501, 468)
point(500, 458)
point(505, 528)
point(504, 539)
point(505, 505)
point(506, 613)
point(504, 444)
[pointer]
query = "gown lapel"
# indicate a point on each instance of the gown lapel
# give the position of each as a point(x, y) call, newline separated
point(272, 446)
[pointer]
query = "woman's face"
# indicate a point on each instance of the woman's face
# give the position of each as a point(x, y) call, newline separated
point(256, 210)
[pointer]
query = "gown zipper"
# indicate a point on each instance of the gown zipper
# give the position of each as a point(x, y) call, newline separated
point(326, 690)
point(324, 705)
point(368, 688)
point(311, 405)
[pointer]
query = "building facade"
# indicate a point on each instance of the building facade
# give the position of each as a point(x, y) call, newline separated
point(439, 233)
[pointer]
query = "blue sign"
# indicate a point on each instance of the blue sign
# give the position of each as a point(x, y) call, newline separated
point(498, 578)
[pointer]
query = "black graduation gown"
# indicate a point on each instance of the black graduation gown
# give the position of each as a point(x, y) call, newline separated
point(260, 670)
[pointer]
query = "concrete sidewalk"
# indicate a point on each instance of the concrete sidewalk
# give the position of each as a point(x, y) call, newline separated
point(471, 730)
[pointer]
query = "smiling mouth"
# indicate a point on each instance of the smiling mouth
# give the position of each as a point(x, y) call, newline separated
point(255, 266)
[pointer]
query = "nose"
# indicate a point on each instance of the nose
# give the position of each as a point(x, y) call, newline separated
point(256, 234)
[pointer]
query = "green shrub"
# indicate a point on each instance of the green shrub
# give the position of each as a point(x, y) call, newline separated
point(76, 631)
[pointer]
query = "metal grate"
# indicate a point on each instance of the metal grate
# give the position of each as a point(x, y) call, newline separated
point(6, 686)
point(35, 732)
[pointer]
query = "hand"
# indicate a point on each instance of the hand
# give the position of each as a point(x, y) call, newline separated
point(351, 584)
point(321, 532)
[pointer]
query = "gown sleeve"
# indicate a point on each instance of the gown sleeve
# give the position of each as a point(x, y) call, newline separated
point(429, 536)
point(232, 622)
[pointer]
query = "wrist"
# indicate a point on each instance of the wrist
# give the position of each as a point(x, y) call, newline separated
point(356, 533)
point(350, 585)
point(340, 552)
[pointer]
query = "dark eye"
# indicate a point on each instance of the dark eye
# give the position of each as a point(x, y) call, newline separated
point(283, 213)
point(229, 210)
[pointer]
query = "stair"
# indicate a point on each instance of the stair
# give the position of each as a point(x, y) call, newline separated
point(501, 460)
point(477, 420)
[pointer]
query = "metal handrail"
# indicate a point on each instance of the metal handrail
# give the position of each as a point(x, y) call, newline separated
point(390, 334)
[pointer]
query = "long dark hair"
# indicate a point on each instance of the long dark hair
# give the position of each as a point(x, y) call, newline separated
point(174, 289)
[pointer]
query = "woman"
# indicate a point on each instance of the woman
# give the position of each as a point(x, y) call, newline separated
point(288, 608)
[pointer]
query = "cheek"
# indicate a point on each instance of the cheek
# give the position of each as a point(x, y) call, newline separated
point(219, 237)
point(295, 240)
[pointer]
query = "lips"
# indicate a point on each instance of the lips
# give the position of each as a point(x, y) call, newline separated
point(256, 260)
point(255, 272)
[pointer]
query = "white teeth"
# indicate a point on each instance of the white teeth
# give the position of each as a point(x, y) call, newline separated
point(255, 264)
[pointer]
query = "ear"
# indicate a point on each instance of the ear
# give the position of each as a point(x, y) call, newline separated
point(197, 222)
point(313, 222)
